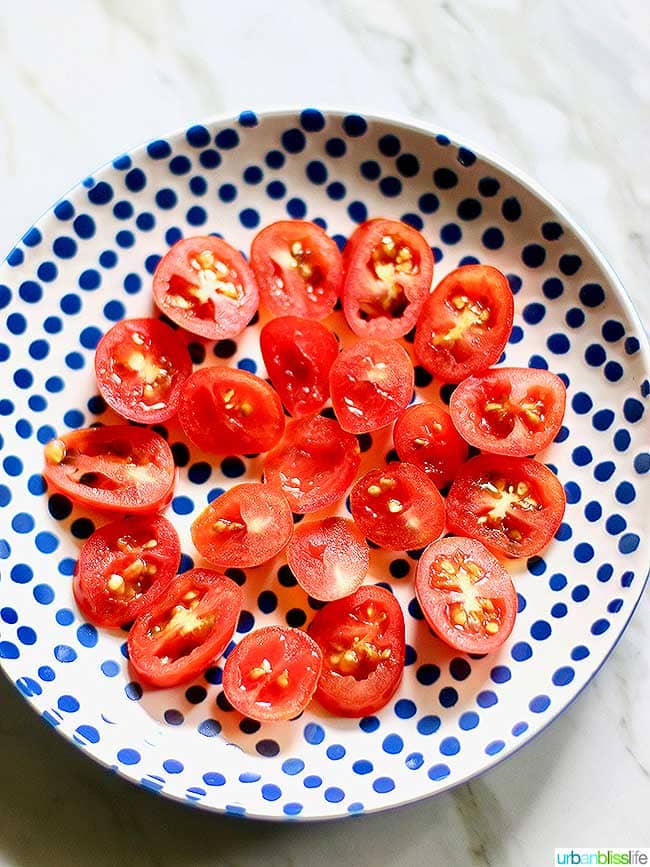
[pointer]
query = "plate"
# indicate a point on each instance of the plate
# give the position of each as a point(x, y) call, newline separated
point(88, 263)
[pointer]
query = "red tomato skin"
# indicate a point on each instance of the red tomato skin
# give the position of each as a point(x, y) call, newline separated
point(251, 421)
point(344, 695)
point(419, 503)
point(228, 316)
point(358, 263)
point(298, 354)
point(335, 458)
point(298, 656)
point(495, 584)
point(347, 563)
point(508, 387)
point(82, 450)
point(371, 384)
point(323, 257)
point(101, 553)
point(220, 598)
point(443, 451)
point(481, 283)
point(466, 498)
point(163, 341)
point(247, 504)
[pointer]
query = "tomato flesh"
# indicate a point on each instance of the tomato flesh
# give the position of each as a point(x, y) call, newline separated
point(466, 595)
point(205, 286)
point(509, 410)
point(314, 464)
point(425, 436)
point(298, 354)
point(514, 506)
point(398, 507)
point(245, 526)
point(230, 412)
point(272, 673)
point(465, 323)
point(124, 567)
point(329, 557)
point(117, 468)
point(362, 639)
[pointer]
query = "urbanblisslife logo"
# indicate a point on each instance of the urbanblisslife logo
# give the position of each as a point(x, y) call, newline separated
point(602, 856)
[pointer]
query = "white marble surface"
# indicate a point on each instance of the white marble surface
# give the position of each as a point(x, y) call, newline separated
point(559, 88)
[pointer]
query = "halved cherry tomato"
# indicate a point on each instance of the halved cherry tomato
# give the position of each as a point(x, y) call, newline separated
point(363, 643)
point(465, 323)
point(425, 436)
point(314, 464)
point(187, 629)
point(205, 286)
point(398, 507)
point(117, 468)
point(298, 354)
point(245, 526)
point(298, 269)
point(329, 557)
point(230, 412)
point(141, 365)
point(272, 673)
point(513, 505)
point(466, 595)
point(509, 410)
point(124, 568)
point(389, 268)
point(371, 383)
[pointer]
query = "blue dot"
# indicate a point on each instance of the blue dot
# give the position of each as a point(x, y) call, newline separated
point(613, 371)
point(46, 673)
point(6, 406)
point(314, 733)
point(16, 323)
point(334, 795)
point(64, 617)
point(296, 208)
point(580, 593)
point(500, 674)
point(450, 233)
point(559, 610)
point(64, 210)
point(445, 179)
point(632, 410)
point(145, 221)
point(293, 766)
point(227, 139)
point(382, 785)
point(405, 708)
point(87, 635)
point(540, 630)
point(110, 668)
point(4, 352)
point(30, 292)
point(128, 756)
point(428, 203)
point(311, 120)
point(43, 594)
point(600, 626)
point(198, 185)
point(615, 606)
point(8, 650)
point(438, 772)
point(182, 505)
point(622, 440)
point(428, 725)
point(171, 236)
point(335, 752)
point(521, 651)
point(391, 186)
point(593, 511)
point(558, 344)
point(101, 193)
point(533, 255)
point(293, 808)
point(581, 456)
point(354, 125)
point(173, 717)
point(539, 704)
point(53, 325)
point(448, 696)
point(312, 782)
point(534, 313)
point(22, 522)
point(625, 493)
point(369, 724)
point(393, 744)
point(125, 239)
point(642, 463)
point(249, 218)
point(605, 572)
point(13, 466)
point(70, 304)
point(209, 728)
point(46, 542)
point(64, 653)
point(26, 635)
point(122, 210)
point(557, 581)
point(108, 259)
point(362, 767)
point(592, 295)
point(628, 543)
point(89, 337)
point(84, 226)
point(271, 792)
point(276, 189)
point(293, 140)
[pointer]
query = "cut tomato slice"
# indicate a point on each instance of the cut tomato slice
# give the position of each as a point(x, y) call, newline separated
point(141, 365)
point(117, 468)
point(514, 506)
point(362, 639)
point(298, 269)
point(246, 526)
point(230, 412)
point(389, 268)
point(187, 629)
point(124, 568)
point(465, 323)
point(466, 595)
point(205, 286)
point(424, 435)
point(509, 410)
point(329, 557)
point(314, 465)
point(272, 673)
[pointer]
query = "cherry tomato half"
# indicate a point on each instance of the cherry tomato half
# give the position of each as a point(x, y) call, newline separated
point(117, 468)
point(466, 595)
point(141, 365)
point(424, 435)
point(272, 673)
point(245, 526)
point(509, 410)
point(187, 629)
point(514, 506)
point(205, 286)
point(298, 269)
point(329, 557)
point(389, 268)
point(314, 464)
point(363, 644)
point(124, 568)
point(298, 354)
point(230, 412)
point(398, 507)
point(465, 323)
point(371, 383)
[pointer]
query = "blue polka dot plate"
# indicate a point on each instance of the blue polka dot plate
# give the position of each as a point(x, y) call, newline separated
point(88, 262)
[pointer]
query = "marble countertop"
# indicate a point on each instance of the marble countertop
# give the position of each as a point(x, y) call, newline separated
point(558, 88)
